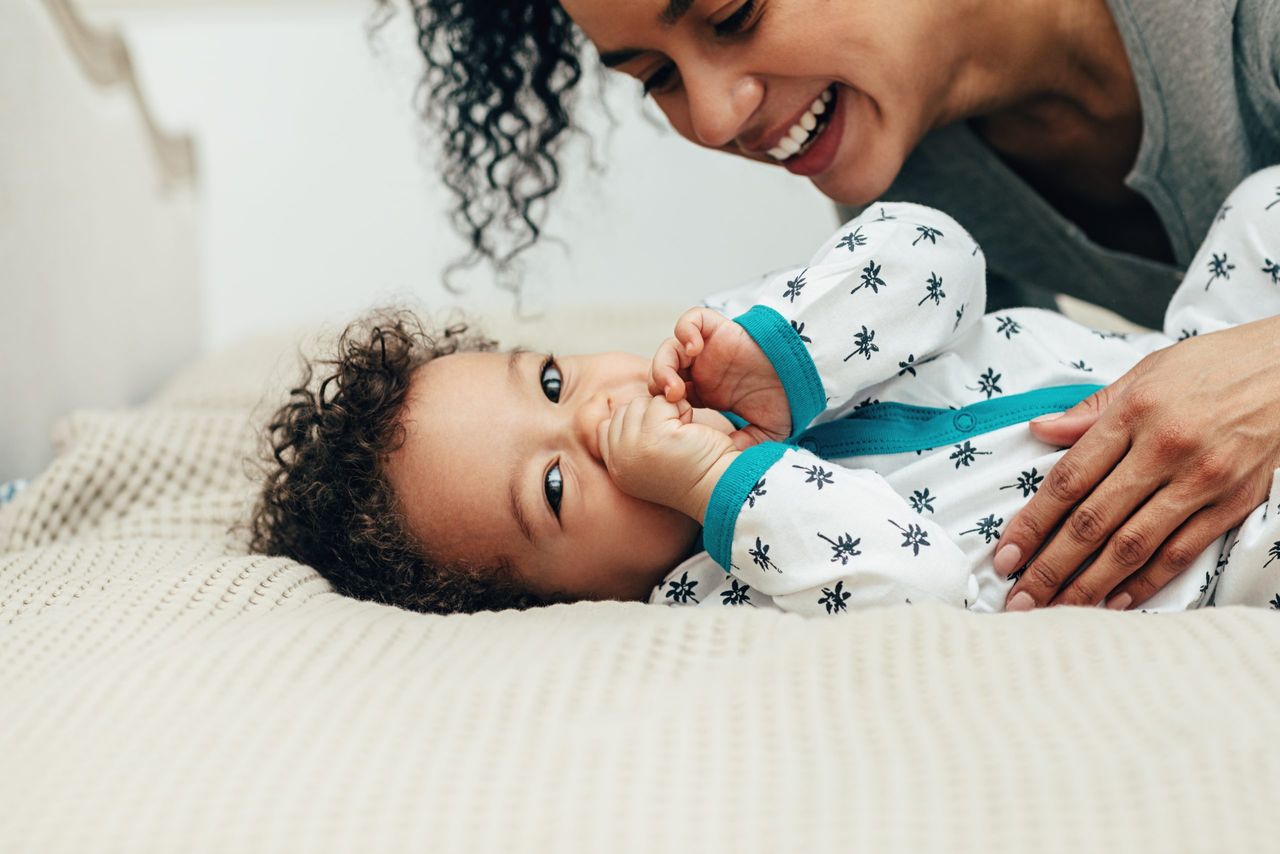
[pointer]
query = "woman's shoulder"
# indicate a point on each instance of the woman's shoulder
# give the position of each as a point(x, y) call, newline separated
point(1185, 30)
point(1256, 26)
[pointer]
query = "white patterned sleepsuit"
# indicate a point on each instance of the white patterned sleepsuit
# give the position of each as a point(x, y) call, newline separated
point(883, 353)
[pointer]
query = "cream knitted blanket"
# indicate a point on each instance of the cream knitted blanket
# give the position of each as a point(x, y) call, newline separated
point(162, 691)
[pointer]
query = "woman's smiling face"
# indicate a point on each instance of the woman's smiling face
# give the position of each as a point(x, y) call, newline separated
point(852, 83)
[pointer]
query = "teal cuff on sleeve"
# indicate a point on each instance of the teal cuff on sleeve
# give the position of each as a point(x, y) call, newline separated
point(737, 421)
point(730, 493)
point(786, 352)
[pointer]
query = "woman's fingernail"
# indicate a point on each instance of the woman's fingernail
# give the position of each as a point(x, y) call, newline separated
point(1042, 419)
point(1007, 559)
point(1021, 601)
point(1120, 602)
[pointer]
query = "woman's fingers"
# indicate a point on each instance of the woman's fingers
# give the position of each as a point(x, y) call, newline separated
point(1087, 528)
point(1199, 417)
point(1177, 553)
point(1076, 475)
point(1065, 485)
point(1072, 478)
point(1066, 428)
point(1127, 550)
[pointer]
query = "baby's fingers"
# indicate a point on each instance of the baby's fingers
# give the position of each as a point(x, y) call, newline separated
point(603, 431)
point(748, 436)
point(660, 410)
point(664, 371)
point(622, 431)
point(633, 417)
point(693, 329)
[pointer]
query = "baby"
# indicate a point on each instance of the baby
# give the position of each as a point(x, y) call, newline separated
point(877, 445)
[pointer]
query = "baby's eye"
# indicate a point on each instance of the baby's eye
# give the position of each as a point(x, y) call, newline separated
point(550, 379)
point(553, 486)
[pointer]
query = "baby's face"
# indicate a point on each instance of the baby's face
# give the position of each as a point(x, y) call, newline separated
point(500, 461)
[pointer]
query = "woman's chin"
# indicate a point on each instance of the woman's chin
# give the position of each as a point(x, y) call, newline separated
point(868, 163)
point(856, 182)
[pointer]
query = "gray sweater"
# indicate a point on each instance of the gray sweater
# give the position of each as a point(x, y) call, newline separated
point(1208, 76)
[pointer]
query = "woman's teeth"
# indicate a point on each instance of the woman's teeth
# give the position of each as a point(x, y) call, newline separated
point(802, 132)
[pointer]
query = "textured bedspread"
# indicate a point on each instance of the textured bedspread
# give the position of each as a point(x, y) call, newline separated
point(162, 691)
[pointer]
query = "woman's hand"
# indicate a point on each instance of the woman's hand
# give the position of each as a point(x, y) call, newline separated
point(712, 362)
point(1165, 460)
point(656, 452)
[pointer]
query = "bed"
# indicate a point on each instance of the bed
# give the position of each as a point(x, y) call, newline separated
point(162, 689)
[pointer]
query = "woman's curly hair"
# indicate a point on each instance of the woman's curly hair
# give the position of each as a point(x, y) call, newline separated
point(326, 500)
point(498, 82)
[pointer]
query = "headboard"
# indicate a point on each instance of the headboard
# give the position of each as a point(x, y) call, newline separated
point(99, 299)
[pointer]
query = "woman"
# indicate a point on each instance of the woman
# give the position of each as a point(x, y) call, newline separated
point(1086, 146)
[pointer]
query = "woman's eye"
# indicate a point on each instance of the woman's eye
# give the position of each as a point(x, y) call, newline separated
point(660, 80)
point(737, 22)
point(551, 380)
point(665, 78)
point(553, 486)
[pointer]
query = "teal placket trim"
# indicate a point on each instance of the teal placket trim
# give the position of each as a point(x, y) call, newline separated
point(730, 493)
point(786, 352)
point(895, 428)
point(877, 428)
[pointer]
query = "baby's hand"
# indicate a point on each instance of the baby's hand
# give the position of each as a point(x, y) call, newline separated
point(656, 452)
point(712, 361)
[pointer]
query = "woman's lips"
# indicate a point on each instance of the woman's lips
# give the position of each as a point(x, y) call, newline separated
point(822, 152)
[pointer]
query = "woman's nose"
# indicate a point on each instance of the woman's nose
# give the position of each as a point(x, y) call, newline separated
point(720, 105)
point(587, 418)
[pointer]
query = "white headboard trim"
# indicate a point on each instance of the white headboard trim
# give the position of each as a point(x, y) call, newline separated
point(104, 57)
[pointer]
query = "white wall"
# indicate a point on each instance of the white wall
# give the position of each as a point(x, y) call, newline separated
point(98, 254)
point(320, 198)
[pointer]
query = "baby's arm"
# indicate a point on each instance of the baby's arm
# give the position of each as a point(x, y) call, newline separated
point(897, 283)
point(817, 537)
point(1235, 276)
point(820, 538)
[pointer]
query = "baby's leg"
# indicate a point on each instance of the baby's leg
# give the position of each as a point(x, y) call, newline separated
point(1235, 276)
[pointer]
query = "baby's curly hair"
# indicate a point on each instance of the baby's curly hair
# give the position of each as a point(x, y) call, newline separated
point(499, 78)
point(326, 501)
